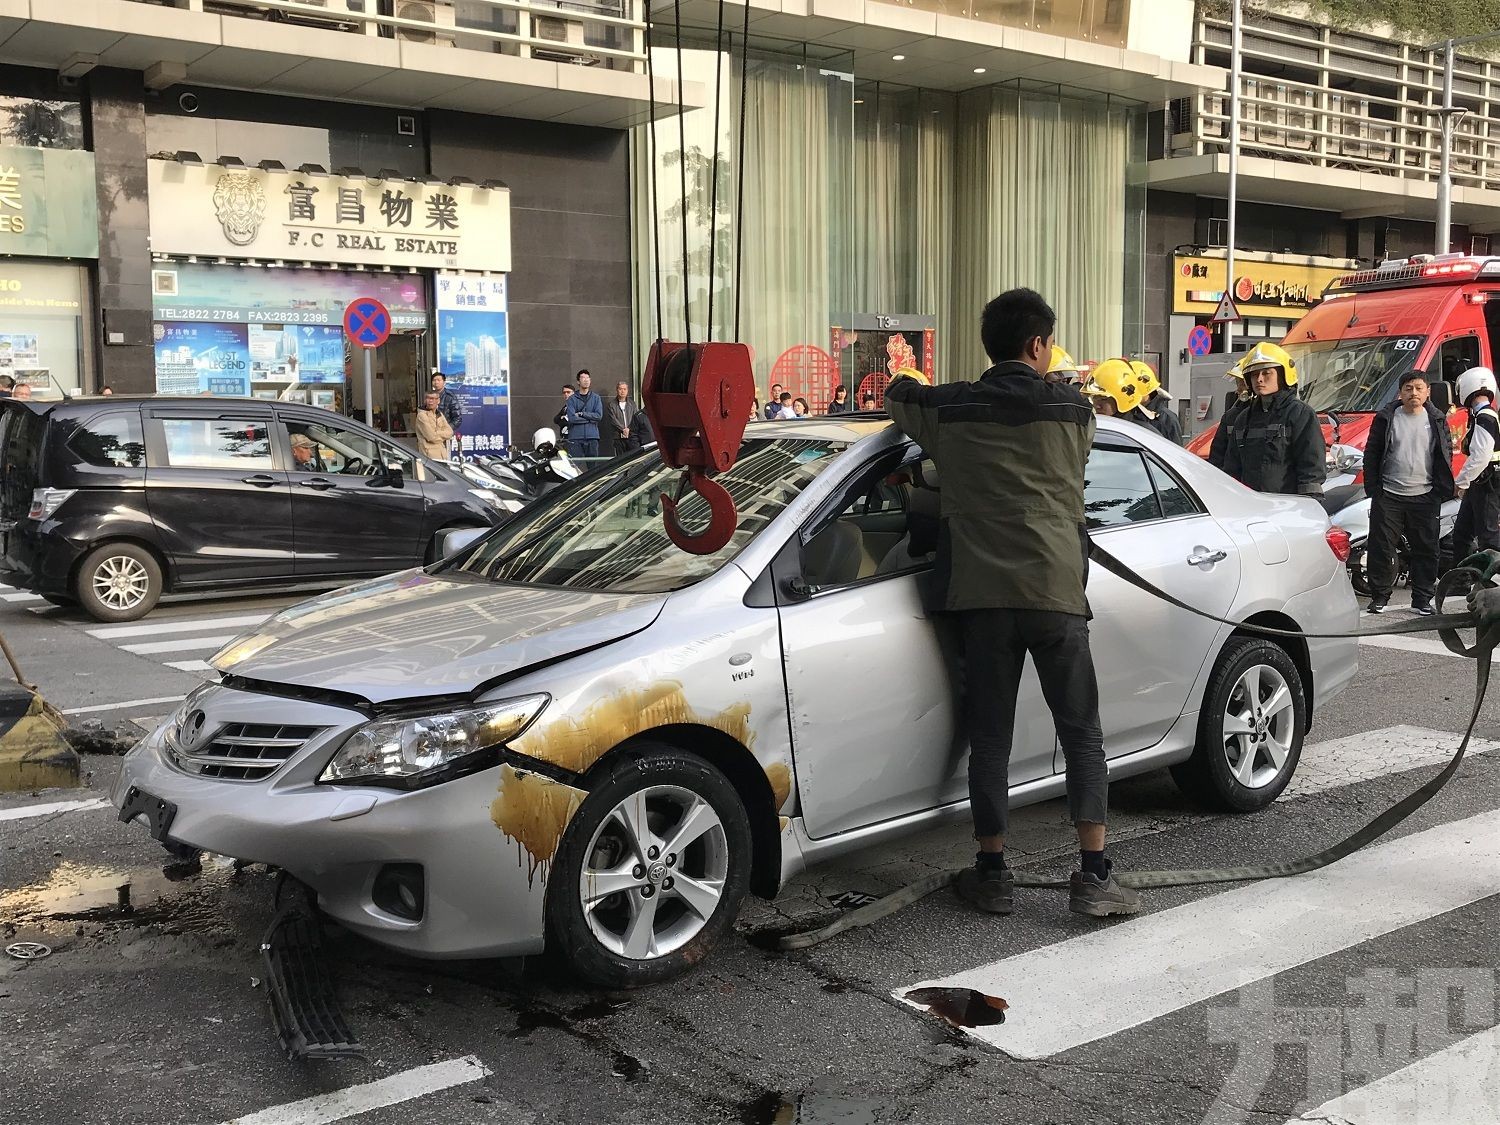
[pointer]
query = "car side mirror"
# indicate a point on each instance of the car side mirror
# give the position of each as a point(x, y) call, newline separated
point(1442, 395)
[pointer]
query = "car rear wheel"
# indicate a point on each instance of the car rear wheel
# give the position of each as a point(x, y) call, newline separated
point(118, 582)
point(651, 871)
point(1250, 728)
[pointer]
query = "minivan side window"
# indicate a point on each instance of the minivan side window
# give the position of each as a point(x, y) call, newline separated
point(111, 440)
point(217, 443)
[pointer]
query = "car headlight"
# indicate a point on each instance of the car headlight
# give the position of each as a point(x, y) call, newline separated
point(422, 750)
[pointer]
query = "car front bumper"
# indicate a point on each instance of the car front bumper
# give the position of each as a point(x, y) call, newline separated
point(482, 897)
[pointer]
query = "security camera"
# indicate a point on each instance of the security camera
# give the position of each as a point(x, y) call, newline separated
point(188, 102)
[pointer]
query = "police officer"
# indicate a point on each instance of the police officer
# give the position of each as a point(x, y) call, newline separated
point(1478, 482)
point(1275, 441)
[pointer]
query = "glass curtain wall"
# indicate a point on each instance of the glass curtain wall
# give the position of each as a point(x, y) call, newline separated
point(865, 198)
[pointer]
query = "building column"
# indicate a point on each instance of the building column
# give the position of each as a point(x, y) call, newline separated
point(122, 296)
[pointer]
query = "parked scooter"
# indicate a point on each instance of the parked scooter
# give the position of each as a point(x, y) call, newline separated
point(537, 471)
point(1348, 507)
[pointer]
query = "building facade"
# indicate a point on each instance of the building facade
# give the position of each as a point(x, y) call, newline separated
point(1338, 165)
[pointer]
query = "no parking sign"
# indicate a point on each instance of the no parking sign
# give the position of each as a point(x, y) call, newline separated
point(1200, 340)
point(368, 323)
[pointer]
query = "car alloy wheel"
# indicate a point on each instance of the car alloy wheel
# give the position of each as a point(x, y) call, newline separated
point(654, 872)
point(120, 582)
point(1259, 722)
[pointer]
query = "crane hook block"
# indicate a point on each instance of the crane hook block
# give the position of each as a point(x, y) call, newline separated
point(698, 398)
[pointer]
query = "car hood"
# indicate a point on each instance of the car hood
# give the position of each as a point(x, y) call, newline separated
point(411, 635)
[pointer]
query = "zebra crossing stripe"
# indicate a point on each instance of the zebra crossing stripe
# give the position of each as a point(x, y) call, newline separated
point(1159, 963)
point(116, 632)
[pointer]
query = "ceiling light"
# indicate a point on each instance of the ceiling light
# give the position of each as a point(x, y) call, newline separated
point(979, 70)
point(898, 58)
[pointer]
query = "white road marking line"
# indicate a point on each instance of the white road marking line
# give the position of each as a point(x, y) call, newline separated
point(89, 710)
point(397, 1088)
point(1159, 963)
point(26, 812)
point(189, 665)
point(115, 632)
point(1459, 1085)
point(22, 597)
point(1376, 753)
point(1408, 643)
point(185, 644)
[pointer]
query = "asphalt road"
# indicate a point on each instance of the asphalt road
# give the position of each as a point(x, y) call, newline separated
point(1220, 1004)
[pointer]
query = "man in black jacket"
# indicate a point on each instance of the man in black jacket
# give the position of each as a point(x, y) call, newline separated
point(1408, 475)
point(1275, 441)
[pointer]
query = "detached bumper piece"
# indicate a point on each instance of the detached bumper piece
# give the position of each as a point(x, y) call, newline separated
point(303, 1006)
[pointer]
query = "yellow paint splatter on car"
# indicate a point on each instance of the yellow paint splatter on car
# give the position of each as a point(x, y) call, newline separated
point(534, 810)
point(577, 742)
point(780, 777)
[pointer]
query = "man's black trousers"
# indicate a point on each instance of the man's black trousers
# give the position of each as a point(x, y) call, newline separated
point(1415, 517)
point(1478, 517)
point(996, 642)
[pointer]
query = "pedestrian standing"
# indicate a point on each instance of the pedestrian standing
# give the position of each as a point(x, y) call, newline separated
point(619, 412)
point(561, 421)
point(1478, 482)
point(773, 404)
point(840, 403)
point(1012, 561)
point(1235, 401)
point(584, 411)
point(1408, 474)
point(448, 406)
point(783, 410)
point(434, 434)
point(640, 431)
point(1275, 442)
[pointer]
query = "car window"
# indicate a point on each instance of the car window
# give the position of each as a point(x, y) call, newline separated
point(321, 448)
point(217, 443)
point(605, 531)
point(1175, 499)
point(1457, 356)
point(111, 440)
point(1117, 489)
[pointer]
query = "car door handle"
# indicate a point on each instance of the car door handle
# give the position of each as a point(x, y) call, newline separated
point(260, 480)
point(1202, 556)
point(317, 482)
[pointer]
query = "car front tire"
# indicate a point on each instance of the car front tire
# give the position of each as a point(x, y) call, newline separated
point(651, 871)
point(1250, 729)
point(118, 582)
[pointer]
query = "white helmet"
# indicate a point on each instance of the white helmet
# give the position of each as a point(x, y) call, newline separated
point(1474, 380)
point(544, 436)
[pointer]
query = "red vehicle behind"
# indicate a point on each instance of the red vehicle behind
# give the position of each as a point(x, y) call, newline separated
point(1439, 315)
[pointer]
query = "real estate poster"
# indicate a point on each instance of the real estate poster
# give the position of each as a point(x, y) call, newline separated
point(196, 359)
point(473, 344)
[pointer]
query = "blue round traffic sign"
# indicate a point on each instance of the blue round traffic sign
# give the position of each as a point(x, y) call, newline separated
point(1200, 340)
point(368, 322)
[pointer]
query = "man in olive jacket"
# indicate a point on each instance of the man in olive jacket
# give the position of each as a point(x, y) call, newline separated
point(1012, 561)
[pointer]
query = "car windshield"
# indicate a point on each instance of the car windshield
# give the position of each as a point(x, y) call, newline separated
point(1353, 374)
point(606, 532)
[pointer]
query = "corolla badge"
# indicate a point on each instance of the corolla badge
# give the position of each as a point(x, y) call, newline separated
point(240, 204)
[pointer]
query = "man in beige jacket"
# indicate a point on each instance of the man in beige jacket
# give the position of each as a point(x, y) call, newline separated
point(433, 431)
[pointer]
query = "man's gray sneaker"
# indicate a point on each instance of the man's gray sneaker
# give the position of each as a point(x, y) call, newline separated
point(1099, 898)
point(987, 888)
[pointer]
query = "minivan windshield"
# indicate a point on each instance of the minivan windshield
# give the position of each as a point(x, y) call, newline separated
point(1353, 375)
point(606, 533)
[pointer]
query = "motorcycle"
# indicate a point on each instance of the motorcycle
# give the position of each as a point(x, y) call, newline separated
point(536, 471)
point(1348, 507)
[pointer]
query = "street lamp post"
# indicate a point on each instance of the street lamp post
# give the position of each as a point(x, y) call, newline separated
point(1448, 116)
point(1234, 161)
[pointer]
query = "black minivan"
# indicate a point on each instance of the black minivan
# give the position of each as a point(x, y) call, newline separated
point(108, 502)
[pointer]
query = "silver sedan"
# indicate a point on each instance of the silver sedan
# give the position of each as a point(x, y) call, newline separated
point(570, 735)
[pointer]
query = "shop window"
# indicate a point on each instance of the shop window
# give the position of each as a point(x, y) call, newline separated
point(41, 325)
point(217, 443)
point(1117, 489)
point(111, 440)
point(41, 123)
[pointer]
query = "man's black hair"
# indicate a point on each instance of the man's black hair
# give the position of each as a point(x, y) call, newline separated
point(1013, 318)
point(786, 396)
point(570, 387)
point(583, 371)
point(1408, 376)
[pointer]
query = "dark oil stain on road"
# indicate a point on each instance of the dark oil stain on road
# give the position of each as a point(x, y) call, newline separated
point(961, 1007)
point(772, 1108)
point(627, 1067)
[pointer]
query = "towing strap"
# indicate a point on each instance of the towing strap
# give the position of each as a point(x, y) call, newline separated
point(1472, 578)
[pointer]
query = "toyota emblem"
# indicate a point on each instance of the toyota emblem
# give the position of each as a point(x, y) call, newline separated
point(192, 729)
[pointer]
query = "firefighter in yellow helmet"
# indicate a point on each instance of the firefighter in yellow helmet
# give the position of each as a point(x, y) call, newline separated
point(1062, 368)
point(1218, 449)
point(1275, 440)
point(1127, 386)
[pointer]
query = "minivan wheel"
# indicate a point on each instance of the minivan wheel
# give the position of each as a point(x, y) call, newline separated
point(651, 871)
point(118, 582)
point(1250, 729)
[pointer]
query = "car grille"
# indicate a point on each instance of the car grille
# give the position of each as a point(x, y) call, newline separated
point(242, 751)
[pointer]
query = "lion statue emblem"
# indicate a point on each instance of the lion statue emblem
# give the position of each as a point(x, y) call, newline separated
point(240, 203)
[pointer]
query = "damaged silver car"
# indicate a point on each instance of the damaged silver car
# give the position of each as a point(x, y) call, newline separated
point(571, 735)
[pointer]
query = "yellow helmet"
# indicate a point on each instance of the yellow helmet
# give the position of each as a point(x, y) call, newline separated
point(1121, 381)
point(1266, 354)
point(1061, 362)
point(1236, 370)
point(913, 373)
point(1147, 377)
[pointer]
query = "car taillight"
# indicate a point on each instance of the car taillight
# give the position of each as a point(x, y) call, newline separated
point(1338, 542)
point(45, 501)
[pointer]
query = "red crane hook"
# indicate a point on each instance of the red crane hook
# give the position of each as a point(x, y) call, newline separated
point(722, 516)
